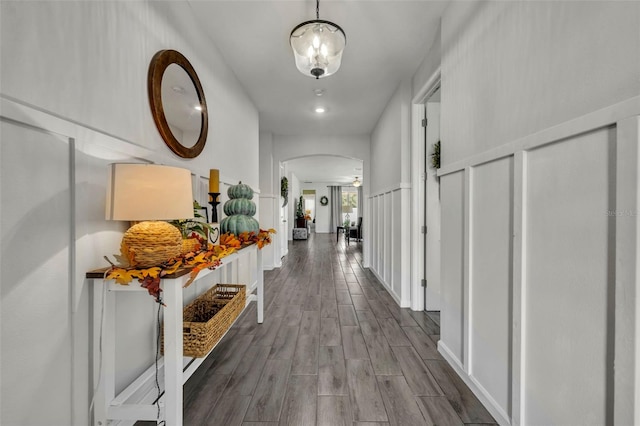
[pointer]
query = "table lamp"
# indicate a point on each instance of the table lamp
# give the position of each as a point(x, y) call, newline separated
point(347, 210)
point(150, 194)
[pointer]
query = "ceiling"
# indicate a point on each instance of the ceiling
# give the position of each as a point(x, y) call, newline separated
point(386, 42)
point(326, 169)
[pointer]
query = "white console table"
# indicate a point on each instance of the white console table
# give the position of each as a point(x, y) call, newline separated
point(136, 402)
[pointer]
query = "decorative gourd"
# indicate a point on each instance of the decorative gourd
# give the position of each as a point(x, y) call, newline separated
point(239, 206)
point(240, 191)
point(239, 210)
point(239, 223)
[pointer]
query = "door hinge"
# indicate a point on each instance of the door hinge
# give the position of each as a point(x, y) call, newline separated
point(423, 229)
point(424, 122)
point(423, 282)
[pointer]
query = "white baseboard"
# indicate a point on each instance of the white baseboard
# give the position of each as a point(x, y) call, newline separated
point(386, 286)
point(480, 392)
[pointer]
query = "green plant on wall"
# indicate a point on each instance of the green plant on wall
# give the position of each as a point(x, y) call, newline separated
point(435, 156)
point(284, 190)
point(300, 208)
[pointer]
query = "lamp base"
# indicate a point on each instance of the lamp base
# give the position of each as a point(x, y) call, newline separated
point(148, 244)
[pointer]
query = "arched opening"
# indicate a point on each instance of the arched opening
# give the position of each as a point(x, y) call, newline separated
point(312, 176)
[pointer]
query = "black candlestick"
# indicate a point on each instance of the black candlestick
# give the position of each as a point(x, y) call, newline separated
point(213, 196)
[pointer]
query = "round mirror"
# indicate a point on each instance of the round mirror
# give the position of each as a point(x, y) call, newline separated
point(177, 103)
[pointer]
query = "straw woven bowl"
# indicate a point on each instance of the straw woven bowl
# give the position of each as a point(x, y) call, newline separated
point(148, 244)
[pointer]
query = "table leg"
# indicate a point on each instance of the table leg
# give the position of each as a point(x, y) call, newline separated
point(260, 302)
point(172, 292)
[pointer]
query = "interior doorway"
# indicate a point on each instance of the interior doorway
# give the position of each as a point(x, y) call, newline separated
point(431, 220)
point(309, 196)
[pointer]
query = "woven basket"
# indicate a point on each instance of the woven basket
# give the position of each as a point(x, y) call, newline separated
point(200, 333)
point(189, 245)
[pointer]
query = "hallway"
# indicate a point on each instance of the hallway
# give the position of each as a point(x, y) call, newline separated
point(335, 349)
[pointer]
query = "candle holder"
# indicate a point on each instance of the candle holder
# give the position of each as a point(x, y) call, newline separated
point(213, 196)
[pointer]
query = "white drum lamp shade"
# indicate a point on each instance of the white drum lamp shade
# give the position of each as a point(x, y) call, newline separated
point(151, 194)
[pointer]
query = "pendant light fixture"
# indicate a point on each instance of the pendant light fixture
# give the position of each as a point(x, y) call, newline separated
point(317, 46)
point(356, 182)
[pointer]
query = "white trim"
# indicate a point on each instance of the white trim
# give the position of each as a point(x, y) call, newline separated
point(405, 247)
point(94, 141)
point(595, 120)
point(486, 400)
point(518, 285)
point(388, 189)
point(88, 140)
point(269, 196)
point(432, 84)
point(626, 389)
point(386, 287)
point(467, 284)
point(417, 204)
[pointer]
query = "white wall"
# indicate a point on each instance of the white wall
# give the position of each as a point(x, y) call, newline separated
point(538, 117)
point(389, 198)
point(270, 200)
point(390, 143)
point(535, 64)
point(85, 63)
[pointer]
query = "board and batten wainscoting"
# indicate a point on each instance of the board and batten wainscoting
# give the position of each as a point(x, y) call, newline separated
point(543, 316)
point(53, 232)
point(387, 236)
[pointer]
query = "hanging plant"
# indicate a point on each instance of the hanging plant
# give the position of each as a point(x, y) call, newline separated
point(284, 190)
point(435, 157)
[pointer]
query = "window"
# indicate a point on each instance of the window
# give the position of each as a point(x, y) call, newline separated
point(349, 204)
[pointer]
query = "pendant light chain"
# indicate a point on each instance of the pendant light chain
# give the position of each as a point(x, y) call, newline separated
point(317, 9)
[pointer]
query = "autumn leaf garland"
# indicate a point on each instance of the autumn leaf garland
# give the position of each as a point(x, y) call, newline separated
point(210, 259)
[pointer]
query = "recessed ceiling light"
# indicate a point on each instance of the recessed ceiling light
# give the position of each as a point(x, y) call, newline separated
point(320, 110)
point(178, 89)
point(197, 108)
point(318, 92)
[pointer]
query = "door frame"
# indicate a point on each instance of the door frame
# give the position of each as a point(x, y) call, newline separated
point(418, 173)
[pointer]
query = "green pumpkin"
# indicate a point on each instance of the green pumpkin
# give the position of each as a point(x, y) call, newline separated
point(240, 191)
point(239, 206)
point(239, 223)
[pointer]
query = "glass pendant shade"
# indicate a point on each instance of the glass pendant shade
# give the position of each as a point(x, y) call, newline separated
point(357, 182)
point(317, 47)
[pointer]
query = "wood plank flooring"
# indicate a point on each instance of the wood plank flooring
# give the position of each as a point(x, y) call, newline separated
point(334, 349)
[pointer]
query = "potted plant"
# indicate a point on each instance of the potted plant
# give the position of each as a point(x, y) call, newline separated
point(301, 222)
point(194, 232)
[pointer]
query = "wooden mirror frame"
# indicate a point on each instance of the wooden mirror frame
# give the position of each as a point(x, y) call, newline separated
point(159, 63)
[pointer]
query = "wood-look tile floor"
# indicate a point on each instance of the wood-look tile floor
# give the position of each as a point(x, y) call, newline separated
point(334, 349)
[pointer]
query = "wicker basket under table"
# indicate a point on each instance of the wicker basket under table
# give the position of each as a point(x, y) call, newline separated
point(200, 336)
